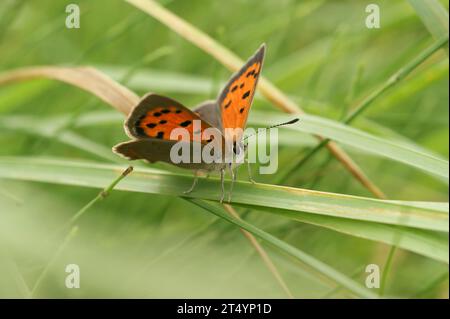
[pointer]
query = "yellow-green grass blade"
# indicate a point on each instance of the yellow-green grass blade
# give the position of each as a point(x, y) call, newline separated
point(433, 15)
point(364, 141)
point(89, 174)
point(424, 242)
point(310, 261)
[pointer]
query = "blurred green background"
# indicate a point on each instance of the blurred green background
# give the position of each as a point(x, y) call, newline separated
point(320, 53)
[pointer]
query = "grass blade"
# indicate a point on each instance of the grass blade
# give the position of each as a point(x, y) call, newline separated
point(363, 141)
point(426, 243)
point(310, 261)
point(257, 196)
point(433, 15)
point(86, 78)
point(363, 105)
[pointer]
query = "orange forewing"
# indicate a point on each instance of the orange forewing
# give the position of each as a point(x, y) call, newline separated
point(236, 98)
point(160, 121)
point(156, 116)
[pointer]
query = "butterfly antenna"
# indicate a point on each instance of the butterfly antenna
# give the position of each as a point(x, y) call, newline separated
point(273, 126)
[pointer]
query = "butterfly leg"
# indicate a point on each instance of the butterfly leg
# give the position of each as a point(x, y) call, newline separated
point(250, 178)
point(194, 183)
point(222, 182)
point(233, 179)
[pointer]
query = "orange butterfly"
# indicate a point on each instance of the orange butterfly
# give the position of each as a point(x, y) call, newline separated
point(152, 121)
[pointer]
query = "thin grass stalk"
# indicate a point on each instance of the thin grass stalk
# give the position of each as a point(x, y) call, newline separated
point(261, 252)
point(100, 196)
point(430, 287)
point(359, 109)
point(336, 289)
point(58, 252)
point(386, 269)
point(308, 260)
point(15, 273)
point(364, 104)
point(433, 15)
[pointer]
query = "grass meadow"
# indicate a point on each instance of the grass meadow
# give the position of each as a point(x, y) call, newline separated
point(358, 207)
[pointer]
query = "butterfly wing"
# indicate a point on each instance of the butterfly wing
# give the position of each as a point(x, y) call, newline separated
point(236, 98)
point(158, 150)
point(207, 111)
point(156, 116)
point(150, 149)
point(150, 125)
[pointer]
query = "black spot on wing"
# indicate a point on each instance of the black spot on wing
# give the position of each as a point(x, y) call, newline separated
point(150, 125)
point(185, 123)
point(234, 88)
point(249, 73)
point(228, 104)
point(165, 111)
point(160, 135)
point(162, 122)
point(241, 110)
point(246, 95)
point(157, 114)
point(178, 111)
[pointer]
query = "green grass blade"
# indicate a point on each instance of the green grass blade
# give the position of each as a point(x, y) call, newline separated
point(356, 138)
point(319, 266)
point(423, 242)
point(433, 15)
point(160, 81)
point(88, 174)
point(51, 129)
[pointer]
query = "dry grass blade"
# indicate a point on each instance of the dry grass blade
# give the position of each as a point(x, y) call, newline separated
point(123, 100)
point(233, 62)
point(86, 78)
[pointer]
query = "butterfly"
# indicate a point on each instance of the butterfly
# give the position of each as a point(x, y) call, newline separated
point(152, 121)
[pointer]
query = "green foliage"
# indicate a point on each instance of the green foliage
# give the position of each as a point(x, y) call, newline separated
point(144, 240)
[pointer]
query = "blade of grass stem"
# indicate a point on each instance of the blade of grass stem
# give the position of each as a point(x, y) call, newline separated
point(264, 256)
point(431, 286)
point(363, 105)
point(56, 255)
point(387, 268)
point(433, 15)
point(258, 196)
point(100, 196)
point(86, 78)
point(336, 289)
point(308, 260)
